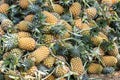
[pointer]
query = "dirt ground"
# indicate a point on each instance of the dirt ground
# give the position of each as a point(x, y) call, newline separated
point(114, 76)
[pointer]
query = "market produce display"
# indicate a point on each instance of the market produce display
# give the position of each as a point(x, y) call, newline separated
point(59, 39)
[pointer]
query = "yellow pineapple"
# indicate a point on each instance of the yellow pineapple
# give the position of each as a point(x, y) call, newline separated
point(4, 8)
point(24, 3)
point(48, 38)
point(32, 71)
point(29, 18)
point(77, 65)
point(1, 31)
point(91, 12)
point(95, 68)
point(75, 9)
point(16, 51)
point(85, 29)
point(27, 43)
point(58, 8)
point(49, 61)
point(23, 34)
point(50, 18)
point(66, 25)
point(40, 54)
point(114, 51)
point(61, 70)
point(51, 77)
point(109, 60)
point(23, 25)
point(78, 22)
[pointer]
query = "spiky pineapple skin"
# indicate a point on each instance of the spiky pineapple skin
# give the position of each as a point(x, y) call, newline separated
point(75, 9)
point(109, 60)
point(40, 54)
point(23, 25)
point(78, 22)
point(6, 23)
point(4, 8)
point(49, 61)
point(61, 70)
point(27, 43)
point(50, 18)
point(29, 18)
point(58, 8)
point(17, 52)
point(77, 65)
point(85, 29)
point(51, 77)
point(23, 34)
point(1, 31)
point(32, 70)
point(48, 38)
point(114, 51)
point(95, 68)
point(66, 25)
point(91, 12)
point(47, 29)
point(24, 4)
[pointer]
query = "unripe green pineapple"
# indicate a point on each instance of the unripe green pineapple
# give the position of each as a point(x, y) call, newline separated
point(27, 43)
point(77, 65)
point(95, 68)
point(49, 61)
point(109, 61)
point(75, 9)
point(40, 54)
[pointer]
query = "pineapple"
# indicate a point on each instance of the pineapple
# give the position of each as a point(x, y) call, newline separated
point(67, 25)
point(49, 61)
point(75, 9)
point(29, 18)
point(40, 54)
point(4, 8)
point(61, 70)
point(50, 18)
point(23, 26)
point(98, 39)
point(100, 51)
point(46, 29)
point(63, 36)
point(1, 31)
point(59, 59)
point(51, 77)
point(24, 3)
point(48, 38)
point(114, 51)
point(85, 29)
point(78, 22)
point(95, 68)
point(91, 12)
point(23, 34)
point(77, 65)
point(58, 8)
point(109, 60)
point(1, 64)
point(6, 23)
point(32, 71)
point(27, 43)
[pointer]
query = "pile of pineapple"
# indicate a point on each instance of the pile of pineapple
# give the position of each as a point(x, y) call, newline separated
point(59, 39)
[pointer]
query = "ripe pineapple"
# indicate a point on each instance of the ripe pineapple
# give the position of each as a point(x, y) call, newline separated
point(51, 77)
point(50, 18)
point(27, 43)
point(91, 12)
point(58, 8)
point(6, 23)
point(114, 51)
point(109, 60)
point(32, 70)
point(40, 54)
point(66, 25)
point(60, 58)
point(23, 25)
point(49, 61)
point(4, 8)
point(77, 65)
point(29, 18)
point(23, 34)
point(78, 22)
point(1, 31)
point(17, 52)
point(85, 29)
point(75, 9)
point(48, 38)
point(95, 68)
point(61, 70)
point(98, 39)
point(24, 4)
